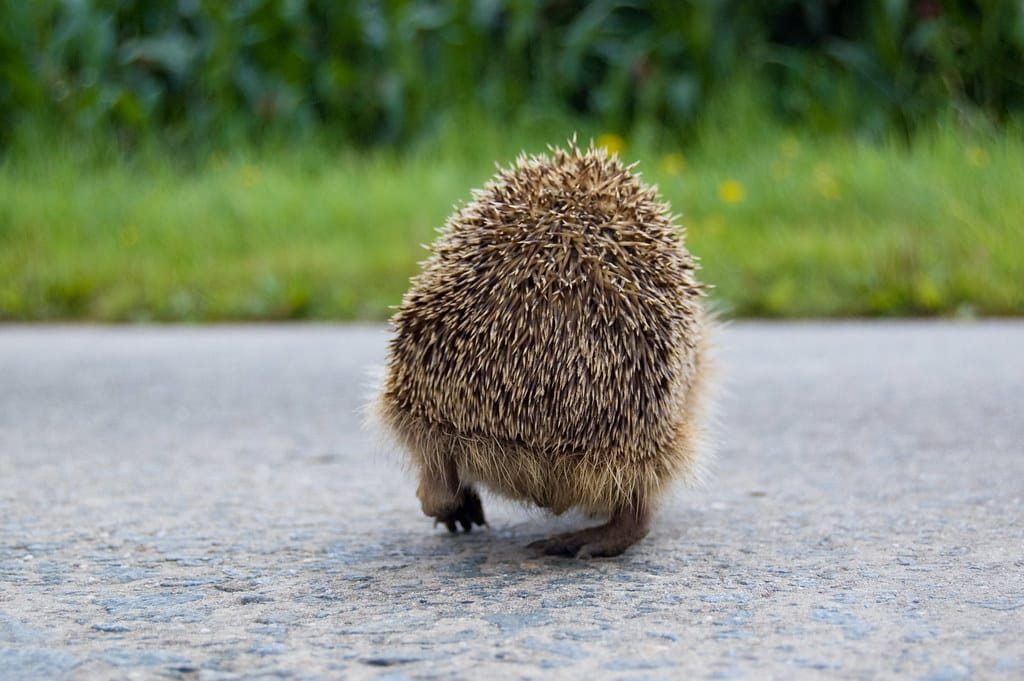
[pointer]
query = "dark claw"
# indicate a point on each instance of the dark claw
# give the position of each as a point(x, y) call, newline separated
point(562, 545)
point(469, 512)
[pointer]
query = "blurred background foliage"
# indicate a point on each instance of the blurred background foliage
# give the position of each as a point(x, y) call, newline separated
point(209, 160)
point(387, 72)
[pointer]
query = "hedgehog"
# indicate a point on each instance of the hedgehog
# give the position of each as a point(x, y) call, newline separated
point(554, 349)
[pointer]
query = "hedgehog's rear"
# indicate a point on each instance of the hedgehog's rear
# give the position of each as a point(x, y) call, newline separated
point(552, 346)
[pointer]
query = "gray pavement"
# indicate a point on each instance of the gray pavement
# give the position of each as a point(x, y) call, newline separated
point(201, 503)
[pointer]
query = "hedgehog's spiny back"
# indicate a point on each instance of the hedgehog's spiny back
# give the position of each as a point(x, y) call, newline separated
point(555, 313)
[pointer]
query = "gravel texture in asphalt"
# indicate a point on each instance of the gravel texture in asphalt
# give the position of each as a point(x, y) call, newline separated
point(202, 503)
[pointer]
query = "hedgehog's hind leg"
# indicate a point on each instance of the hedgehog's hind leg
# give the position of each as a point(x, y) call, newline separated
point(443, 497)
point(625, 528)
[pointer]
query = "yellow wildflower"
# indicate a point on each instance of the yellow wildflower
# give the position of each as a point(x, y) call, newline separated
point(130, 235)
point(826, 183)
point(672, 164)
point(790, 147)
point(249, 175)
point(713, 224)
point(612, 142)
point(977, 157)
point(732, 191)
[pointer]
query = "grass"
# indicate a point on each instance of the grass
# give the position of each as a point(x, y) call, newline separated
point(785, 225)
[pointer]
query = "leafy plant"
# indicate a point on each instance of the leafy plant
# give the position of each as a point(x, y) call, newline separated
point(389, 71)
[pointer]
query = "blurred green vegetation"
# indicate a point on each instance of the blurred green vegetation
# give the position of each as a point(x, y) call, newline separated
point(192, 160)
point(200, 72)
point(785, 225)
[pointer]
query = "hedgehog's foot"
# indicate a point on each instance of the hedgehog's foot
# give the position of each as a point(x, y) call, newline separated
point(443, 498)
point(625, 528)
point(469, 512)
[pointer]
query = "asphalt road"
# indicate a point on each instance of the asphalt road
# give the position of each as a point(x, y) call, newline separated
point(201, 503)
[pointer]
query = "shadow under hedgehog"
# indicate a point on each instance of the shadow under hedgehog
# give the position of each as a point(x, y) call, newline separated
point(554, 349)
